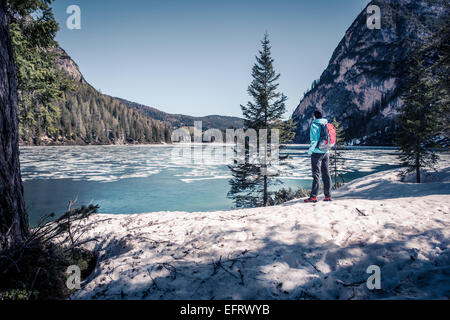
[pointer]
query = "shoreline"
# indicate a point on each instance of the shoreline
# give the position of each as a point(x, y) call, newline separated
point(349, 147)
point(291, 251)
point(92, 145)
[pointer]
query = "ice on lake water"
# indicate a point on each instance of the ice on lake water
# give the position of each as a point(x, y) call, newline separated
point(149, 178)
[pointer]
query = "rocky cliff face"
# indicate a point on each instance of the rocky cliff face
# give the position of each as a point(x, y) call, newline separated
point(65, 63)
point(362, 84)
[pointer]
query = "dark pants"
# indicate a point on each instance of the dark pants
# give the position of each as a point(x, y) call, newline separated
point(319, 163)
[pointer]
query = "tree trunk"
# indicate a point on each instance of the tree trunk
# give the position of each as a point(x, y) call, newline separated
point(13, 216)
point(335, 167)
point(265, 197)
point(417, 167)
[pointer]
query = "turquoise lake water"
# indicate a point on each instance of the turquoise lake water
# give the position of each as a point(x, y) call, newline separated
point(150, 178)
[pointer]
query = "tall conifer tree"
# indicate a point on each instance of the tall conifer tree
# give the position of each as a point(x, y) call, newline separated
point(417, 123)
point(250, 183)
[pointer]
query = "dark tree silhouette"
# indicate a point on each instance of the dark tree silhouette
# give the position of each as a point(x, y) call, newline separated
point(417, 125)
point(13, 216)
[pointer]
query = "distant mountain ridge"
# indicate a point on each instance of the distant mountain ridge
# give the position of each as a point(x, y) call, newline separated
point(181, 120)
point(90, 117)
point(71, 69)
point(362, 85)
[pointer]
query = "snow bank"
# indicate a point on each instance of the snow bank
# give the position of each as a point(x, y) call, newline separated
point(293, 251)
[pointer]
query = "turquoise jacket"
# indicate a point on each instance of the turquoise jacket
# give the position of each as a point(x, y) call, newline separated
point(315, 135)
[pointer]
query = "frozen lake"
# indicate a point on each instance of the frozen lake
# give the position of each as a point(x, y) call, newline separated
point(149, 178)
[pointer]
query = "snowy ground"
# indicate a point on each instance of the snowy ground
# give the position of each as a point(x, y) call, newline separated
point(294, 251)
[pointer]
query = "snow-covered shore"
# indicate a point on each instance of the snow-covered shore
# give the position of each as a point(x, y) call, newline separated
point(293, 251)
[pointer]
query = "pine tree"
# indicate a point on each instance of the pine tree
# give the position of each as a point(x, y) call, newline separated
point(438, 73)
point(251, 181)
point(286, 130)
point(417, 123)
point(268, 105)
point(246, 186)
point(426, 113)
point(40, 85)
point(337, 160)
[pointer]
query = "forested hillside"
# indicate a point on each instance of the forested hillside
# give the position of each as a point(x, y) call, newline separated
point(89, 117)
point(86, 116)
point(76, 113)
point(79, 114)
point(56, 104)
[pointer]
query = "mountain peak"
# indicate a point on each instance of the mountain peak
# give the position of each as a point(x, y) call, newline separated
point(361, 87)
point(65, 63)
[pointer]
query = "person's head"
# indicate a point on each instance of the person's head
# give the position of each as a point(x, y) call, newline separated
point(318, 114)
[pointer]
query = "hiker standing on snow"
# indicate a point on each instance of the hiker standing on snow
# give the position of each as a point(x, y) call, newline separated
point(322, 140)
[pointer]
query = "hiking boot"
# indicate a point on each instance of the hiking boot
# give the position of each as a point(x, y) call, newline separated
point(311, 199)
point(327, 199)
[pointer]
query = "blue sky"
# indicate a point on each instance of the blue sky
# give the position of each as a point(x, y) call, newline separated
point(195, 56)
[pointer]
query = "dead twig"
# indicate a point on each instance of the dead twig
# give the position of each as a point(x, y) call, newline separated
point(361, 213)
point(219, 264)
point(154, 284)
point(34, 281)
point(171, 269)
point(312, 265)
